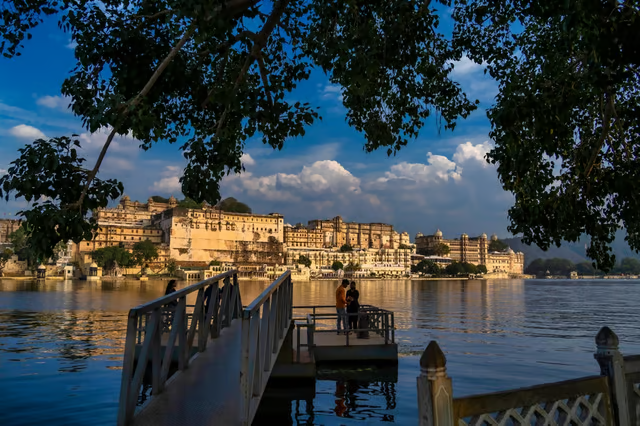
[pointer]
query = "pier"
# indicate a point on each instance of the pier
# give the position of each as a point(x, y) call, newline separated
point(207, 358)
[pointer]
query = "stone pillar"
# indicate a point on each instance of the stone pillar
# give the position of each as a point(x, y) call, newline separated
point(435, 392)
point(612, 365)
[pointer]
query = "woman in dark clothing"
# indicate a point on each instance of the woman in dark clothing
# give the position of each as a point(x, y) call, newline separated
point(353, 305)
point(171, 288)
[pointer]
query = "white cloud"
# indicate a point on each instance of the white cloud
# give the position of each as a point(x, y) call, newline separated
point(26, 132)
point(467, 151)
point(322, 181)
point(438, 168)
point(3, 171)
point(72, 44)
point(466, 66)
point(413, 196)
point(55, 102)
point(247, 160)
point(127, 145)
point(331, 91)
point(170, 183)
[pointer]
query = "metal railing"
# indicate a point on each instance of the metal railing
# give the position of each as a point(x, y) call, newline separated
point(311, 328)
point(265, 323)
point(377, 321)
point(171, 315)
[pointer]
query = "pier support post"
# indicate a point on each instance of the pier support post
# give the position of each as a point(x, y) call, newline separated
point(435, 391)
point(612, 365)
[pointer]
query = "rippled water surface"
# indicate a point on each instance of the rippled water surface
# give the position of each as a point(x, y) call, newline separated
point(61, 344)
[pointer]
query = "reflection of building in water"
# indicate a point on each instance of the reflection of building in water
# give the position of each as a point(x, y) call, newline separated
point(483, 306)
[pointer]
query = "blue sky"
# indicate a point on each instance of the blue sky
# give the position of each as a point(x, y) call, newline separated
point(439, 181)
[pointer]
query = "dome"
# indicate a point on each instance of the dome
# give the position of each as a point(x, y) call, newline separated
point(438, 233)
point(150, 200)
point(93, 265)
point(41, 267)
point(509, 251)
point(464, 236)
point(494, 237)
point(483, 236)
point(172, 200)
point(126, 198)
point(419, 234)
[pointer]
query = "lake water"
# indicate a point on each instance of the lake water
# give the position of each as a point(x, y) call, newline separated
point(61, 344)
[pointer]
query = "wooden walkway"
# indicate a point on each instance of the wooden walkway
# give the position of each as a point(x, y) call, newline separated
point(207, 393)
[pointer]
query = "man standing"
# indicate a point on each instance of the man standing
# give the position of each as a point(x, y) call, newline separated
point(341, 306)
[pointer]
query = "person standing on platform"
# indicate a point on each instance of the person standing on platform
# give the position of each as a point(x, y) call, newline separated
point(341, 306)
point(353, 296)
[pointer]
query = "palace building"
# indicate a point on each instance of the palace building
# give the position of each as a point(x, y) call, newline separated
point(210, 234)
point(337, 232)
point(8, 227)
point(472, 250)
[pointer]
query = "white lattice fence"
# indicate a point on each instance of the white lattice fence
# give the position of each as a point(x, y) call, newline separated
point(583, 410)
point(569, 403)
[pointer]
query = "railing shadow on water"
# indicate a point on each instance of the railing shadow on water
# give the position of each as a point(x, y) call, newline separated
point(182, 329)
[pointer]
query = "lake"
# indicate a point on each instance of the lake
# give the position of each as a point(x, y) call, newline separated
point(61, 344)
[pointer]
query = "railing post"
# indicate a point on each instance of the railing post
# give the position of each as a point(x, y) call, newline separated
point(124, 414)
point(435, 391)
point(612, 365)
point(246, 375)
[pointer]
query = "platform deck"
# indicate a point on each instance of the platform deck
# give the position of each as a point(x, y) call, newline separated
point(206, 394)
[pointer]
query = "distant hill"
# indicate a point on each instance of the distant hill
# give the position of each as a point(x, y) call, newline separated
point(574, 252)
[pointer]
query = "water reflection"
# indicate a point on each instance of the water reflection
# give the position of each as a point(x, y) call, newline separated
point(61, 343)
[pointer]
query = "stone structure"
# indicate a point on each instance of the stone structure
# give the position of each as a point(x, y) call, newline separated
point(473, 250)
point(299, 236)
point(337, 232)
point(508, 261)
point(323, 258)
point(7, 227)
point(210, 234)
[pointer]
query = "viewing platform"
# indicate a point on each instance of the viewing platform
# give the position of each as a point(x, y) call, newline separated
point(198, 356)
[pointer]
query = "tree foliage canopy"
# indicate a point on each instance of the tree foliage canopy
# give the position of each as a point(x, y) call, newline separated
point(212, 75)
point(233, 206)
point(497, 245)
point(304, 260)
point(144, 252)
point(565, 122)
point(337, 265)
point(107, 257)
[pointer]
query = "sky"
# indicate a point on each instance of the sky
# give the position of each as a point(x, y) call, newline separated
point(439, 181)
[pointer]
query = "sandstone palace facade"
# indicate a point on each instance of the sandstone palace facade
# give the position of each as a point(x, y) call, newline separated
point(336, 232)
point(473, 250)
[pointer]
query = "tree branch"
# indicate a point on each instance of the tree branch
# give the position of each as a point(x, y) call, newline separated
point(265, 79)
point(261, 41)
point(132, 104)
point(606, 122)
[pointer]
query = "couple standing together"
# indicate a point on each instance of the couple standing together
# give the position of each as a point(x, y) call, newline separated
point(347, 305)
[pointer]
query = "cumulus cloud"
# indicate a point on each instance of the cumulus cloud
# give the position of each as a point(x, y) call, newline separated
point(55, 102)
point(456, 193)
point(127, 145)
point(26, 132)
point(247, 160)
point(169, 183)
point(466, 66)
point(437, 168)
point(468, 151)
point(326, 179)
point(331, 91)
